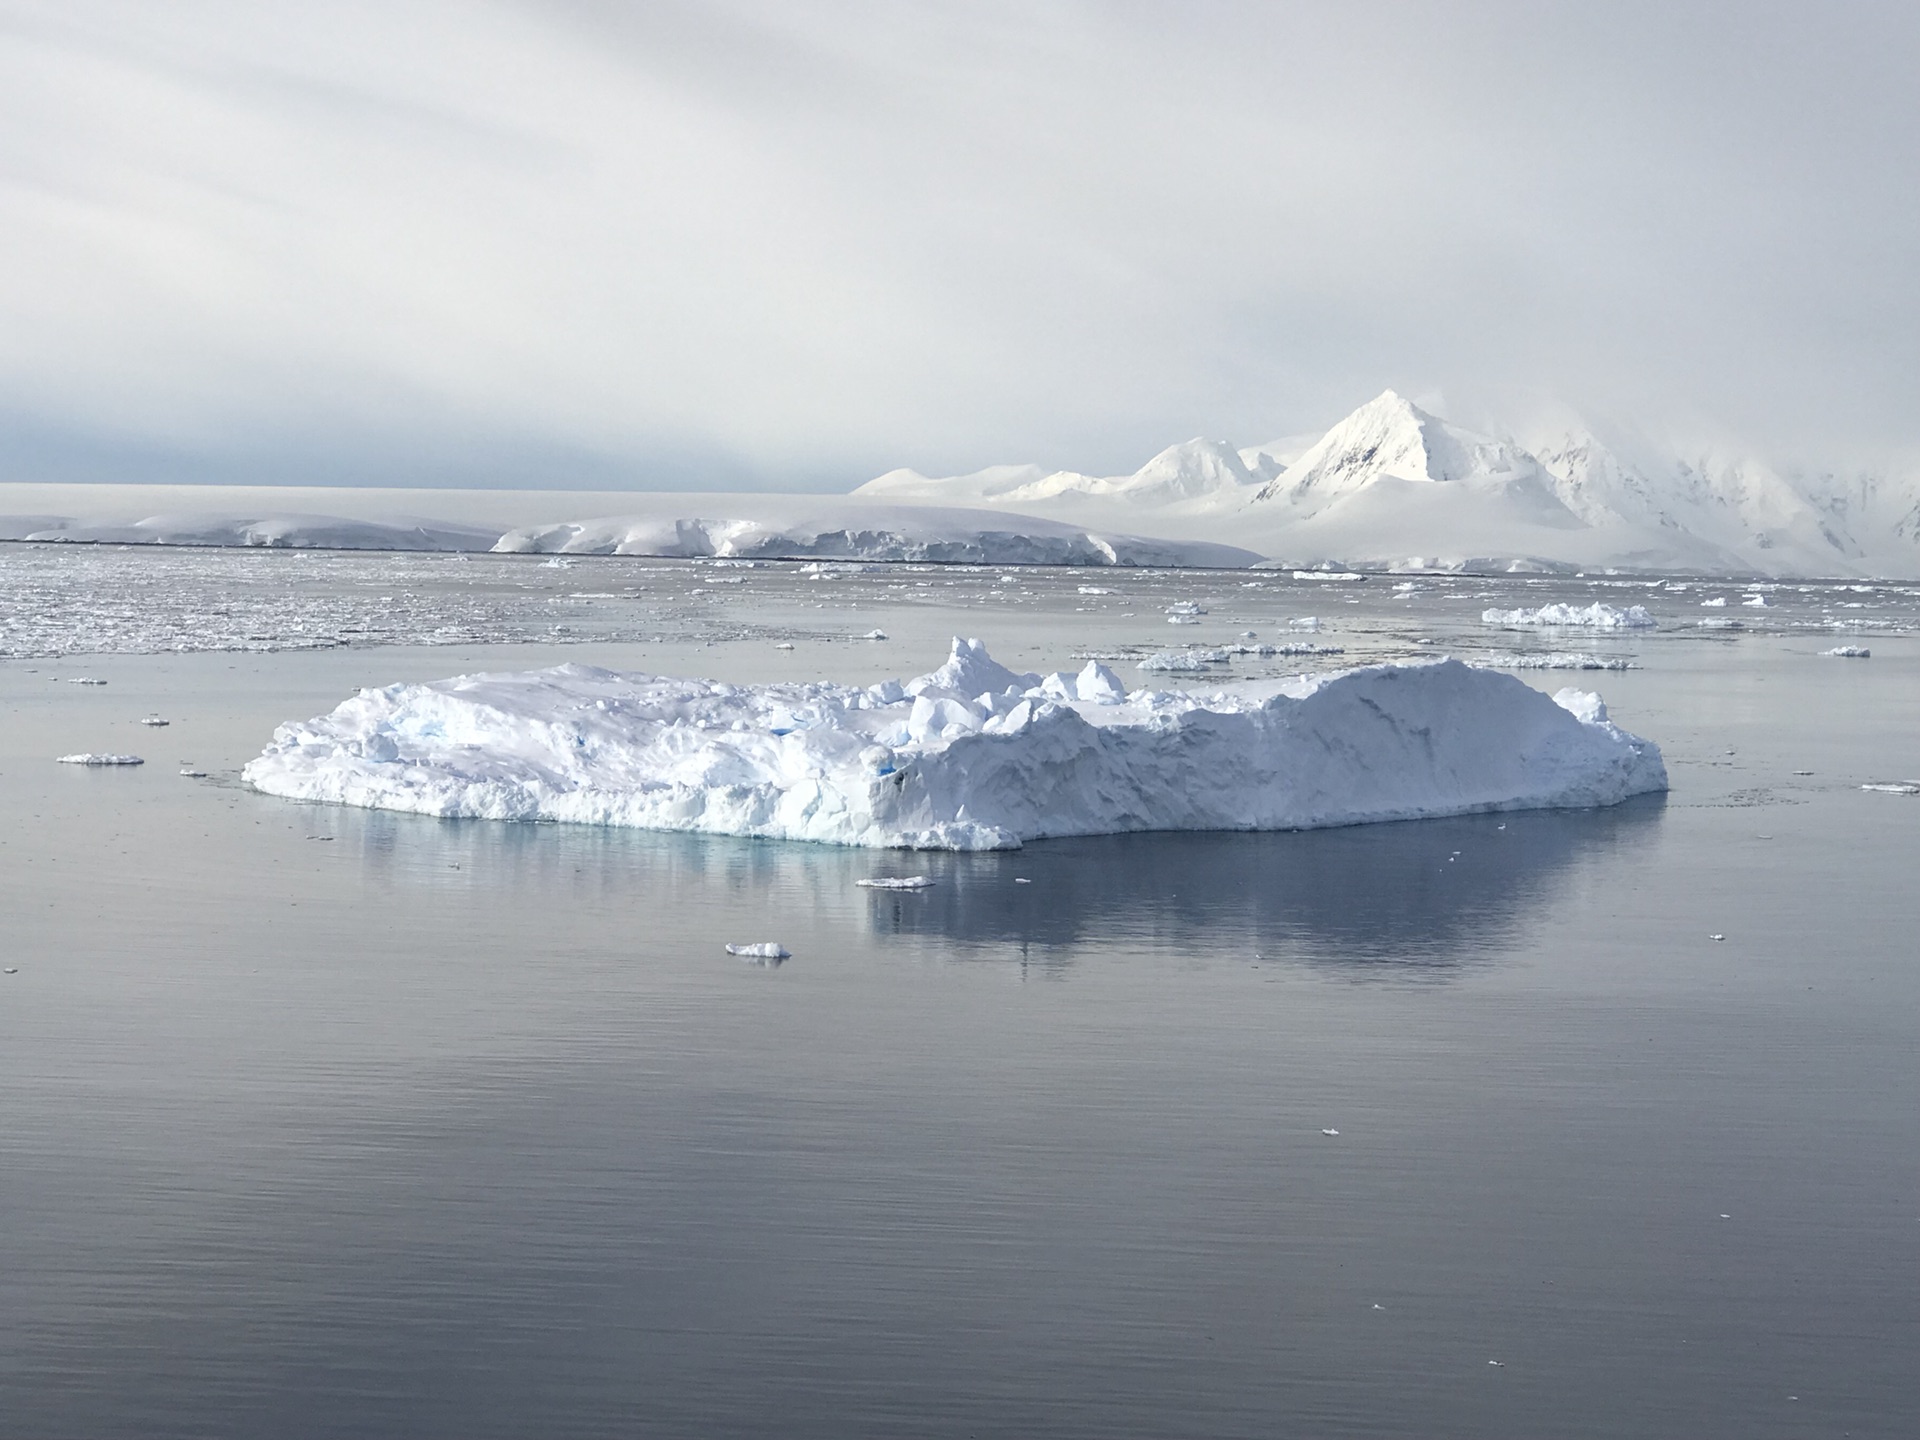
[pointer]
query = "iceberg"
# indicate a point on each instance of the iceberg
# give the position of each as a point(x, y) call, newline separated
point(972, 756)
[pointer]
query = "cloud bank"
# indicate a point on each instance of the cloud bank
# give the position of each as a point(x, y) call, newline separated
point(788, 245)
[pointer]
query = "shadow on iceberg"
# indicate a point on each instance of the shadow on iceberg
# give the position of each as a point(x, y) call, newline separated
point(1426, 893)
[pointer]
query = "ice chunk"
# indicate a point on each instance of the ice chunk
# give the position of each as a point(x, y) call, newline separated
point(1893, 787)
point(970, 670)
point(836, 763)
point(1850, 652)
point(1099, 685)
point(155, 720)
point(762, 950)
point(87, 759)
point(1585, 706)
point(1592, 617)
point(897, 882)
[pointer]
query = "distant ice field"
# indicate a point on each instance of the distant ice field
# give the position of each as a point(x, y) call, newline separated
point(80, 600)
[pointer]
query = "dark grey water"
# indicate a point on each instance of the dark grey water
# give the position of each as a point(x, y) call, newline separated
point(328, 1123)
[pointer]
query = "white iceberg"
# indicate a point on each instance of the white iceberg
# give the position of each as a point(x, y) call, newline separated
point(970, 757)
point(1591, 617)
point(1850, 652)
point(89, 759)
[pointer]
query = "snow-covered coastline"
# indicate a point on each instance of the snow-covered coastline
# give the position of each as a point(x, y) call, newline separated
point(971, 756)
point(1391, 487)
point(763, 527)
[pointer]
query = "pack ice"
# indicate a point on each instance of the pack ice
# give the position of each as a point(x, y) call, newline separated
point(970, 757)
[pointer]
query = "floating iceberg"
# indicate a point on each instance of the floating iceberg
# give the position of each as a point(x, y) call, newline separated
point(1591, 617)
point(86, 759)
point(972, 756)
point(1850, 652)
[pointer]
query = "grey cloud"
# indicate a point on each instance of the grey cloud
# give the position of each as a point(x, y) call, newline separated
point(794, 244)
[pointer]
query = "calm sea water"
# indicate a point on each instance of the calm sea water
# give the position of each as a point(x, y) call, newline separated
point(322, 1122)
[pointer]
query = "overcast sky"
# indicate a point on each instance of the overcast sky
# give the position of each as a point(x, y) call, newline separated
point(780, 243)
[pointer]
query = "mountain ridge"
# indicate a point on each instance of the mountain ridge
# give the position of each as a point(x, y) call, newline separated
point(1393, 482)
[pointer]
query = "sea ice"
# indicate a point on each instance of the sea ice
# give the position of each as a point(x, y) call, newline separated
point(897, 882)
point(86, 759)
point(1557, 660)
point(972, 756)
point(1592, 617)
point(1850, 652)
point(761, 950)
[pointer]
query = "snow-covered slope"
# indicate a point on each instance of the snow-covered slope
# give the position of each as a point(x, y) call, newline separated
point(969, 757)
point(1198, 476)
point(275, 531)
point(1393, 483)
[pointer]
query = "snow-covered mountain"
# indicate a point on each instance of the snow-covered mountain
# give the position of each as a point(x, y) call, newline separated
point(1393, 484)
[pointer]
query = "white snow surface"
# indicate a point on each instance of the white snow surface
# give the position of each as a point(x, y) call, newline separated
point(971, 756)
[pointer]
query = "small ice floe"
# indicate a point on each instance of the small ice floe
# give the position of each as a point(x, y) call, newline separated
point(1893, 787)
point(187, 772)
point(1328, 575)
point(1592, 617)
point(1716, 937)
point(155, 720)
point(761, 950)
point(874, 635)
point(1095, 590)
point(897, 882)
point(1755, 602)
point(783, 645)
point(84, 680)
point(1185, 608)
point(1304, 622)
point(1183, 662)
point(1558, 660)
point(1850, 652)
point(1718, 602)
point(12, 970)
point(1021, 880)
point(1329, 1132)
point(1497, 1364)
point(90, 759)
point(1719, 624)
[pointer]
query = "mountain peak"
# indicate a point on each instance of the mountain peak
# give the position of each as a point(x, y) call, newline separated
point(1390, 437)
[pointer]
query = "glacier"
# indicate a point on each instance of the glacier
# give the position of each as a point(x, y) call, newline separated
point(971, 756)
